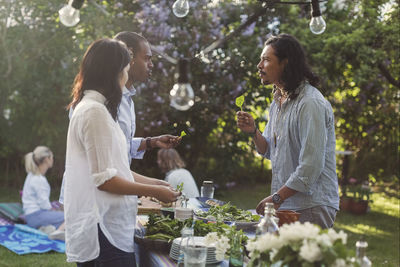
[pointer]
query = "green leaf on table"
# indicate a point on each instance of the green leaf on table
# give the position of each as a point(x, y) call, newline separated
point(182, 134)
point(240, 101)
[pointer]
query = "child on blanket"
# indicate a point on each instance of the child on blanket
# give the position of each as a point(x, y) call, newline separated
point(36, 193)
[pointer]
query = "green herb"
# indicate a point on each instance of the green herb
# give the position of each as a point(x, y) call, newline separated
point(179, 187)
point(240, 101)
point(167, 229)
point(182, 134)
point(228, 212)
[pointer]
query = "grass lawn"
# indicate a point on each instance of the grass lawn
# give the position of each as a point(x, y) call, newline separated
point(380, 227)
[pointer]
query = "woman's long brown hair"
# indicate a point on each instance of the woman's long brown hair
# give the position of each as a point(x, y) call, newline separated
point(100, 70)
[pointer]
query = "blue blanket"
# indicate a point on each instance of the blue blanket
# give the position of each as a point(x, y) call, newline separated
point(23, 239)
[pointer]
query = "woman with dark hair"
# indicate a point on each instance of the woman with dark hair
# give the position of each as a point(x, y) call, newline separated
point(300, 135)
point(100, 193)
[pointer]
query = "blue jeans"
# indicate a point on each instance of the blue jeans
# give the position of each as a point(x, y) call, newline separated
point(45, 217)
point(110, 256)
point(324, 216)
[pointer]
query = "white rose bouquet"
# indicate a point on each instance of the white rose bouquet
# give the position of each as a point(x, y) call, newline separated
point(298, 244)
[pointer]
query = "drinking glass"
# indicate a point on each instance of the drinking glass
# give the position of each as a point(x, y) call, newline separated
point(207, 191)
point(195, 256)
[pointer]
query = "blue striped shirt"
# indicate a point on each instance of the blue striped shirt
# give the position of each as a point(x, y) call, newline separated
point(301, 146)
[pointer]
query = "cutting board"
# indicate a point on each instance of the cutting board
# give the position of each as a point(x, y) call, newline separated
point(148, 206)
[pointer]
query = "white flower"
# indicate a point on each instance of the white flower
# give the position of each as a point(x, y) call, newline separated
point(324, 240)
point(211, 238)
point(297, 231)
point(339, 263)
point(343, 236)
point(251, 244)
point(273, 253)
point(264, 243)
point(310, 251)
point(221, 244)
point(334, 236)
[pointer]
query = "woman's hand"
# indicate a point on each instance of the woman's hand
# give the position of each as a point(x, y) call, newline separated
point(245, 122)
point(161, 182)
point(166, 194)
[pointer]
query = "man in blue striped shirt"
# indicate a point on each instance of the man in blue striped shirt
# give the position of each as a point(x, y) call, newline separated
point(299, 138)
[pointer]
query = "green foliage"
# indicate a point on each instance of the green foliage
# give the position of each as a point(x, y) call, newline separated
point(239, 101)
point(228, 212)
point(179, 187)
point(183, 133)
point(357, 59)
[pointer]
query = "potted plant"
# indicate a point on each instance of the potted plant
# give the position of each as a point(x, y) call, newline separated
point(361, 198)
point(355, 197)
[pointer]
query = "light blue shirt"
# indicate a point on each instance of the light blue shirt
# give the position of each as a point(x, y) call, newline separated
point(127, 122)
point(301, 147)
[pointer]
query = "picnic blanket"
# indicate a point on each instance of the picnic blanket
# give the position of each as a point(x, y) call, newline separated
point(23, 239)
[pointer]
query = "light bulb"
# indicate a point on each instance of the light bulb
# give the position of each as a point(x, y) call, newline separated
point(181, 96)
point(69, 14)
point(180, 8)
point(317, 25)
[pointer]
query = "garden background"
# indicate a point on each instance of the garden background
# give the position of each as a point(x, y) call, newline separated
point(357, 59)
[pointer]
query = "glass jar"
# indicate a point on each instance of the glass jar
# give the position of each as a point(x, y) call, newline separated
point(207, 189)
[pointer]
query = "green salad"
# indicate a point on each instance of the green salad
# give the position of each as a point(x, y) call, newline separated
point(229, 213)
point(167, 229)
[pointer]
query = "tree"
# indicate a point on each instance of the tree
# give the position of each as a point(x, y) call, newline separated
point(357, 58)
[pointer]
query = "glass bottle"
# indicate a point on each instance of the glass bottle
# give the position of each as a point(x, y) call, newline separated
point(236, 256)
point(207, 189)
point(268, 224)
point(361, 257)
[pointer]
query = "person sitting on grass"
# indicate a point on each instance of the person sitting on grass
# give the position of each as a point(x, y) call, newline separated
point(172, 165)
point(36, 192)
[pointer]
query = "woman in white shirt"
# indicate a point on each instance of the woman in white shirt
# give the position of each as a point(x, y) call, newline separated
point(100, 193)
point(36, 191)
point(172, 165)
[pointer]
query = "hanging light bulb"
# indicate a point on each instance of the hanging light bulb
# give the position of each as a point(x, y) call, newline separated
point(69, 14)
point(180, 8)
point(181, 94)
point(317, 23)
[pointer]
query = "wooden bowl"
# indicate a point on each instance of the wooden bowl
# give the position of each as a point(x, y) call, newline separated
point(154, 244)
point(287, 216)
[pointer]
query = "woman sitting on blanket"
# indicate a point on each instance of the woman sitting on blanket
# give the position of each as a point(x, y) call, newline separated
point(36, 193)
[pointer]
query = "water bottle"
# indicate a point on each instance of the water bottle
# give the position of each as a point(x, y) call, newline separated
point(361, 257)
point(268, 224)
point(236, 256)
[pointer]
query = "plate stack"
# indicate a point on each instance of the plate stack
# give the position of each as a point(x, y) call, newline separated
point(198, 241)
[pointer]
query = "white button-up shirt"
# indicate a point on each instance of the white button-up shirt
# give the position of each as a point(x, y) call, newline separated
point(96, 152)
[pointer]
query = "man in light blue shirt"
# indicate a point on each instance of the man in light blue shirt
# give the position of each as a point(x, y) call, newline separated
point(140, 71)
point(299, 138)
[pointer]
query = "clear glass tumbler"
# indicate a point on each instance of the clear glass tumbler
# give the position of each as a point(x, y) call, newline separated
point(195, 256)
